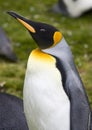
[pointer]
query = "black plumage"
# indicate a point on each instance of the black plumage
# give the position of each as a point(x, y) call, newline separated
point(11, 113)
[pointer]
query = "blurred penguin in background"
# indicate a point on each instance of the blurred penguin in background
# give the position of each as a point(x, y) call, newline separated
point(11, 113)
point(72, 8)
point(6, 50)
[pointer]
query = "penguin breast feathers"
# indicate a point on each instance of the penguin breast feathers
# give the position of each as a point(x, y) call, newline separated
point(44, 96)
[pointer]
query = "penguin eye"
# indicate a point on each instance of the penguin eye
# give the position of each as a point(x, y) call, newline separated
point(42, 30)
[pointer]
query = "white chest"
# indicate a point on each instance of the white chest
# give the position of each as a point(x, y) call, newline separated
point(46, 105)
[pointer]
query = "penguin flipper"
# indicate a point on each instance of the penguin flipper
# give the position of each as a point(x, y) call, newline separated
point(80, 112)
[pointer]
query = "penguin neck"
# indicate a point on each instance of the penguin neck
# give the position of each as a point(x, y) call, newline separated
point(63, 53)
point(39, 60)
point(65, 62)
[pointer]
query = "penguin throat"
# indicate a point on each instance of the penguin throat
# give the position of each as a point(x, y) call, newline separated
point(41, 56)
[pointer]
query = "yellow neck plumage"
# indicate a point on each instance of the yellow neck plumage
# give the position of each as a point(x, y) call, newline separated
point(40, 56)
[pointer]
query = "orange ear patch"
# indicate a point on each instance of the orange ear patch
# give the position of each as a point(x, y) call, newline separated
point(57, 37)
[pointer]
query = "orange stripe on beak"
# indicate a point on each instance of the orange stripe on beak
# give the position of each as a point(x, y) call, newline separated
point(30, 28)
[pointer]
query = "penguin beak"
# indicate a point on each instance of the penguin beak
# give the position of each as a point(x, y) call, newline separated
point(28, 24)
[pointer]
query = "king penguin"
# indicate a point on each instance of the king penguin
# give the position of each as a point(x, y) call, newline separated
point(6, 50)
point(54, 95)
point(72, 8)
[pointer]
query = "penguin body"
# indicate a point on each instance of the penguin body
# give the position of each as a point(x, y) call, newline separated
point(72, 8)
point(47, 103)
point(11, 113)
point(54, 96)
point(80, 109)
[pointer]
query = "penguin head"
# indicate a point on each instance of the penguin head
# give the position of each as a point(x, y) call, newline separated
point(46, 36)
